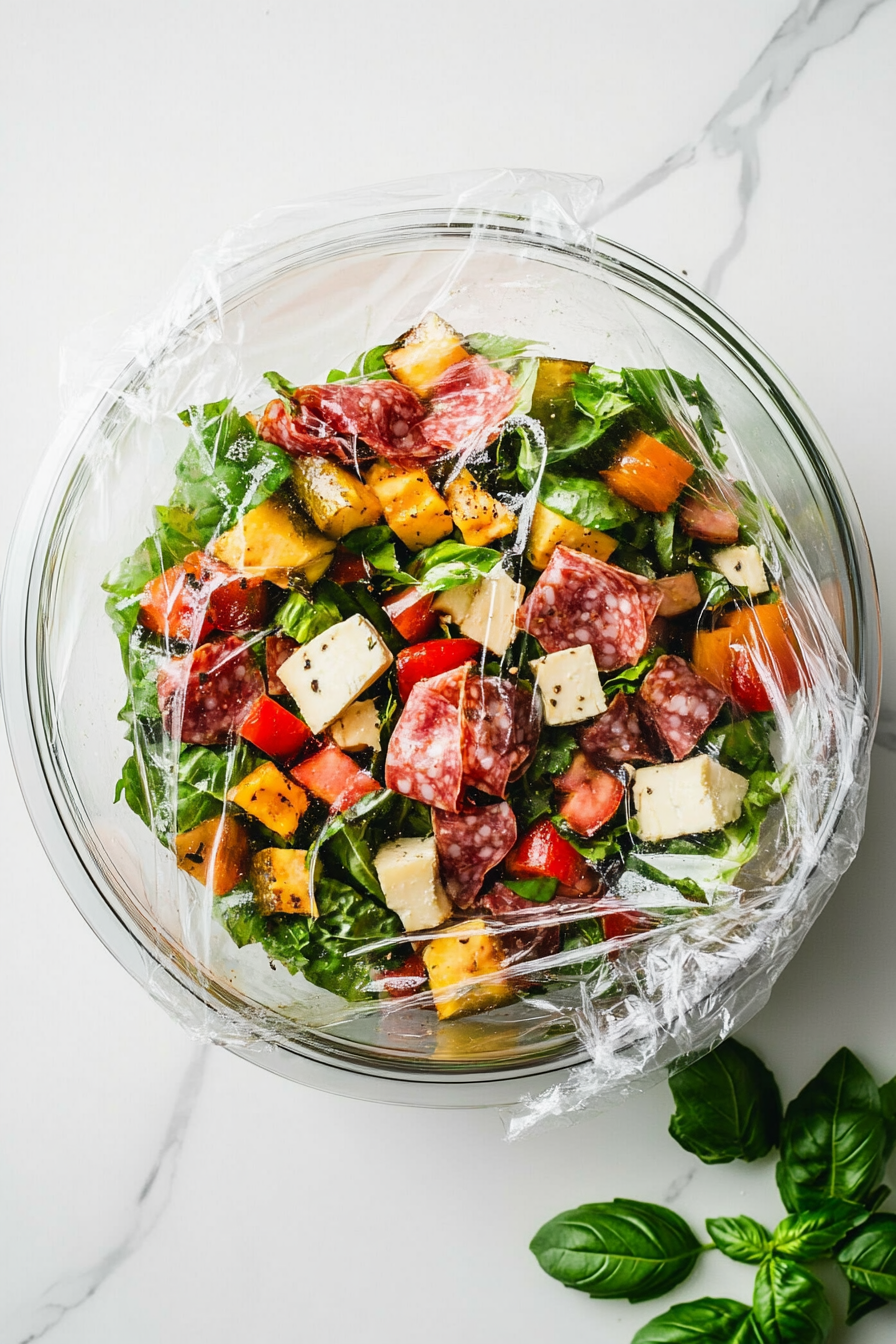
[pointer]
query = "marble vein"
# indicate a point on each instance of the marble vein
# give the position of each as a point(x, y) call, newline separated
point(67, 1294)
point(812, 27)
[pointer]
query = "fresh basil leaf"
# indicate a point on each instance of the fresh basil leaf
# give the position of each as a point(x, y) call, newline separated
point(744, 743)
point(369, 366)
point(740, 1238)
point(539, 889)
point(862, 1303)
point(377, 546)
point(225, 469)
point(595, 851)
point(350, 849)
point(869, 1258)
point(685, 886)
point(600, 394)
point(628, 679)
point(833, 1138)
point(888, 1110)
point(344, 921)
point(789, 1304)
point(215, 771)
point(449, 564)
point(727, 1106)
point(584, 501)
point(285, 938)
point(353, 599)
point(658, 395)
point(709, 1320)
point(622, 1249)
point(279, 384)
point(714, 587)
point(815, 1232)
point(305, 620)
point(496, 348)
point(664, 539)
point(555, 752)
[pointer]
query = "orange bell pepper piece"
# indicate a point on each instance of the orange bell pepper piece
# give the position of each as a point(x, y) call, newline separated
point(648, 474)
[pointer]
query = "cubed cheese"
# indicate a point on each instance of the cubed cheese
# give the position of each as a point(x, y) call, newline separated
point(569, 685)
point(328, 673)
point(687, 798)
point(357, 728)
point(743, 567)
point(456, 965)
point(485, 611)
point(408, 871)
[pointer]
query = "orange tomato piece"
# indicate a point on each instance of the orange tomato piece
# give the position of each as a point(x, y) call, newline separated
point(215, 852)
point(711, 658)
point(648, 474)
point(766, 635)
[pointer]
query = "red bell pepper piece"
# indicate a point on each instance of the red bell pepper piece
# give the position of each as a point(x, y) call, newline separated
point(543, 852)
point(421, 661)
point(346, 567)
point(333, 776)
point(623, 923)
point(404, 980)
point(274, 730)
point(205, 591)
point(593, 795)
point(412, 615)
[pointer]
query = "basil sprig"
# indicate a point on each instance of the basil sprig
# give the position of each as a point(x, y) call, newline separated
point(835, 1140)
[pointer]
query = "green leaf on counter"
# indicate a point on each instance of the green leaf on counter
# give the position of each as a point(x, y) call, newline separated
point(816, 1232)
point(834, 1136)
point(727, 1106)
point(622, 1249)
point(709, 1320)
point(740, 1238)
point(789, 1305)
point(869, 1262)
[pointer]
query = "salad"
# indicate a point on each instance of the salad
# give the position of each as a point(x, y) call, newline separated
point(448, 670)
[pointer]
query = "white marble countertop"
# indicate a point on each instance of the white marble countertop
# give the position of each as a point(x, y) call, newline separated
point(155, 1189)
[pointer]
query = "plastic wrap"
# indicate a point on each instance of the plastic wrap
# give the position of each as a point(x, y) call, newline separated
point(304, 290)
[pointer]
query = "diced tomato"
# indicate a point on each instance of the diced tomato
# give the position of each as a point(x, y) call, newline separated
point(623, 923)
point(204, 590)
point(347, 567)
point(274, 730)
point(709, 518)
point(543, 852)
point(766, 635)
point(648, 474)
point(412, 615)
point(403, 980)
point(746, 684)
point(593, 795)
point(277, 648)
point(431, 659)
point(333, 776)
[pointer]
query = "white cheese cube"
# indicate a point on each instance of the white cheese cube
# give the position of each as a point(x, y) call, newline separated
point(486, 610)
point(688, 798)
point(357, 727)
point(742, 567)
point(569, 685)
point(408, 871)
point(325, 675)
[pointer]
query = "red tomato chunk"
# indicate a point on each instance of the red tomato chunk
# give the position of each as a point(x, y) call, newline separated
point(543, 852)
point(422, 661)
point(274, 730)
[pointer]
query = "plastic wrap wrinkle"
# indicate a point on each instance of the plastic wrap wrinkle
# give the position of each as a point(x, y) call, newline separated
point(675, 989)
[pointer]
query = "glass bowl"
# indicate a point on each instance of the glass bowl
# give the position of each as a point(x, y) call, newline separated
point(303, 298)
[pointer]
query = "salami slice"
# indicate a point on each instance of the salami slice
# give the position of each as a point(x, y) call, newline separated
point(618, 735)
point(470, 844)
point(277, 648)
point(500, 732)
point(424, 759)
point(470, 401)
point(205, 696)
point(679, 704)
point(580, 600)
point(330, 419)
point(649, 594)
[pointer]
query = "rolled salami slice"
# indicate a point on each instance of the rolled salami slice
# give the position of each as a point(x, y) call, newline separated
point(618, 735)
point(679, 704)
point(204, 697)
point(650, 594)
point(500, 732)
point(469, 845)
point(470, 401)
point(581, 600)
point(277, 648)
point(424, 759)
